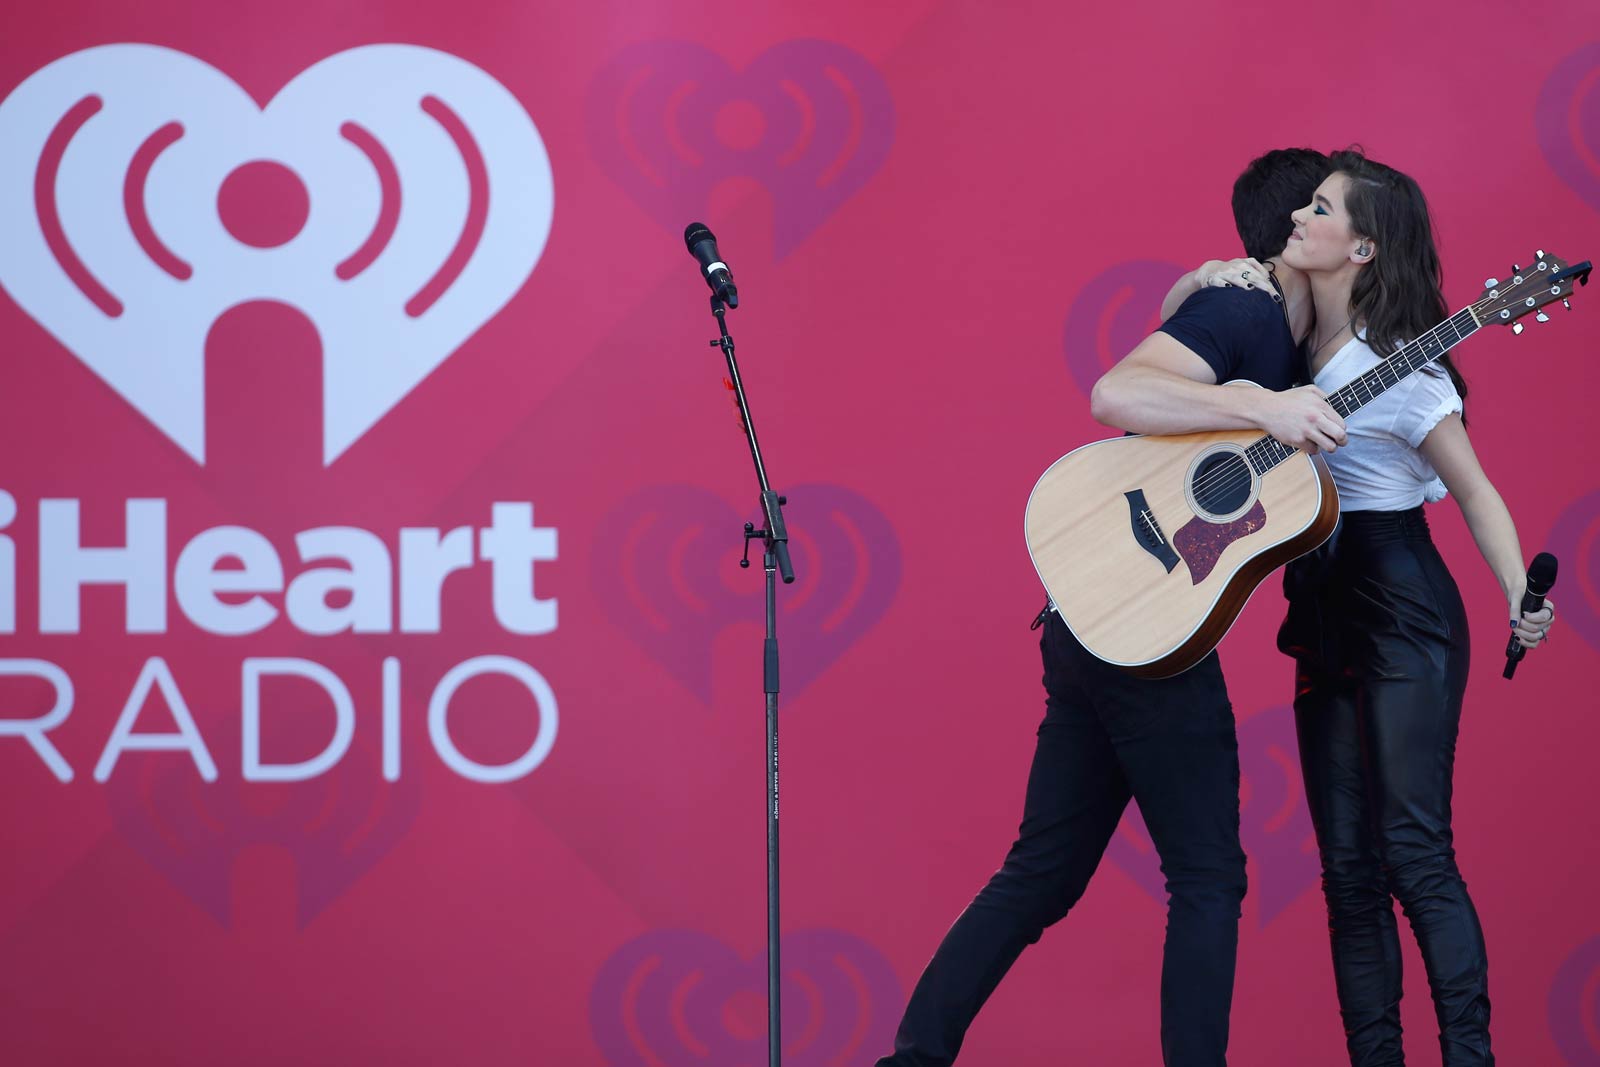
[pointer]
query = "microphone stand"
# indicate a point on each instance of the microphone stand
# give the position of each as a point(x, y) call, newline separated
point(774, 538)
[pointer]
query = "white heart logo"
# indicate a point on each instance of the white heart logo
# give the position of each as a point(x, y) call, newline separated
point(126, 187)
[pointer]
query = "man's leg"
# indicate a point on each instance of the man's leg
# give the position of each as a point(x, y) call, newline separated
point(1176, 742)
point(1076, 795)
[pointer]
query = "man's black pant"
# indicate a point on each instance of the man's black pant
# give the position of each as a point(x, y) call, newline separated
point(1106, 737)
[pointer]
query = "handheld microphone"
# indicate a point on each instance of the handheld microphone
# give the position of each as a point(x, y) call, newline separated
point(703, 247)
point(1541, 576)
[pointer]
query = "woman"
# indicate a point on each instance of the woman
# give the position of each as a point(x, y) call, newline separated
point(1375, 622)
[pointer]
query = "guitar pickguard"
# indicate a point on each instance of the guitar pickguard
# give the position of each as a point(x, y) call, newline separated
point(1202, 543)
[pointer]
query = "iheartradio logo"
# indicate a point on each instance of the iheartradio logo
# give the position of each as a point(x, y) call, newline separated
point(1575, 540)
point(1574, 1006)
point(1274, 821)
point(681, 998)
point(395, 195)
point(333, 829)
point(1112, 314)
point(677, 608)
point(811, 120)
point(1567, 121)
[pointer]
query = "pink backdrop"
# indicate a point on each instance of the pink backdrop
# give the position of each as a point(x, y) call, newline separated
point(944, 218)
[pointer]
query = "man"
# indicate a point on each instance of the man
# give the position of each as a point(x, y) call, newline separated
point(1169, 743)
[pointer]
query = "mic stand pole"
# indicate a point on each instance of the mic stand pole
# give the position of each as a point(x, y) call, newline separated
point(774, 539)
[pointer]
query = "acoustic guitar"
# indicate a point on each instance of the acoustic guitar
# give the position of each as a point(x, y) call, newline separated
point(1149, 546)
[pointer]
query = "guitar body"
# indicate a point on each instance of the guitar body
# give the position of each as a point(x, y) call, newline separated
point(1150, 546)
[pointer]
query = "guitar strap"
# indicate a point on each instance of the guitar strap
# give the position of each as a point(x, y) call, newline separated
point(1283, 301)
point(1309, 571)
point(1283, 307)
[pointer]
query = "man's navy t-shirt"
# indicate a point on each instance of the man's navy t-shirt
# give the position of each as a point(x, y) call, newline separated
point(1241, 333)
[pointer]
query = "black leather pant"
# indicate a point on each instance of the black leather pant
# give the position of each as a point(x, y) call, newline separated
point(1379, 637)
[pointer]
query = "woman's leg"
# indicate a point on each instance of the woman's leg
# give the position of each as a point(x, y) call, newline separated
point(1411, 725)
point(1413, 671)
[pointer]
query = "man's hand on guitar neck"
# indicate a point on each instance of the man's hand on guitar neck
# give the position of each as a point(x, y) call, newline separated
point(1300, 418)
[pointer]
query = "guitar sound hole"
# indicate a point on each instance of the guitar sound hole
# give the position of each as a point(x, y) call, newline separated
point(1222, 483)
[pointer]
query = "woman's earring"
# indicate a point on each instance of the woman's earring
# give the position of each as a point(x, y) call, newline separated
point(1363, 251)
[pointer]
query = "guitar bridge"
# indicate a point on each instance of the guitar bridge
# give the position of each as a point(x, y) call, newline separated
point(1147, 531)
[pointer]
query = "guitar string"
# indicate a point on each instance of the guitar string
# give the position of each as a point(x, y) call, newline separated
point(1227, 477)
point(1345, 400)
point(1230, 478)
point(1230, 472)
point(1376, 373)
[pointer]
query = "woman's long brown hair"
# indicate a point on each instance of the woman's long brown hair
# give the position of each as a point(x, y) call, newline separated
point(1399, 295)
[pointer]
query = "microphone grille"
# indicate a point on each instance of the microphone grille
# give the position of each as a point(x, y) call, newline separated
point(696, 232)
point(1541, 574)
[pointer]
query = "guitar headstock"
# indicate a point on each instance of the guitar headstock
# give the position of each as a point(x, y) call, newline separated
point(1545, 281)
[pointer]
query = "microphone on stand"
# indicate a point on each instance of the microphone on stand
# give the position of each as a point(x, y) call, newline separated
point(1541, 576)
point(703, 247)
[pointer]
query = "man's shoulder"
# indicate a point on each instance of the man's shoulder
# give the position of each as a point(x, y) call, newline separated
point(1229, 320)
point(1240, 332)
point(1230, 304)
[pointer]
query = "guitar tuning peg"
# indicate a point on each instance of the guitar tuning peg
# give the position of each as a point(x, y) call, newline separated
point(1516, 328)
point(1490, 283)
point(1539, 252)
point(1515, 269)
point(1567, 304)
point(1541, 317)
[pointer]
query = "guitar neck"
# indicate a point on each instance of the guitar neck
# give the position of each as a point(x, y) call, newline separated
point(1362, 390)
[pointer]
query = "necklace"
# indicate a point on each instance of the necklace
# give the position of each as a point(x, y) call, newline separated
point(1313, 357)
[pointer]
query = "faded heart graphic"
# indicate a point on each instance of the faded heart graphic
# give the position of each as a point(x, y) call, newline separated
point(671, 588)
point(1575, 1006)
point(811, 120)
point(1112, 314)
point(1567, 120)
point(143, 193)
point(335, 827)
point(676, 998)
point(1274, 822)
point(1575, 542)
